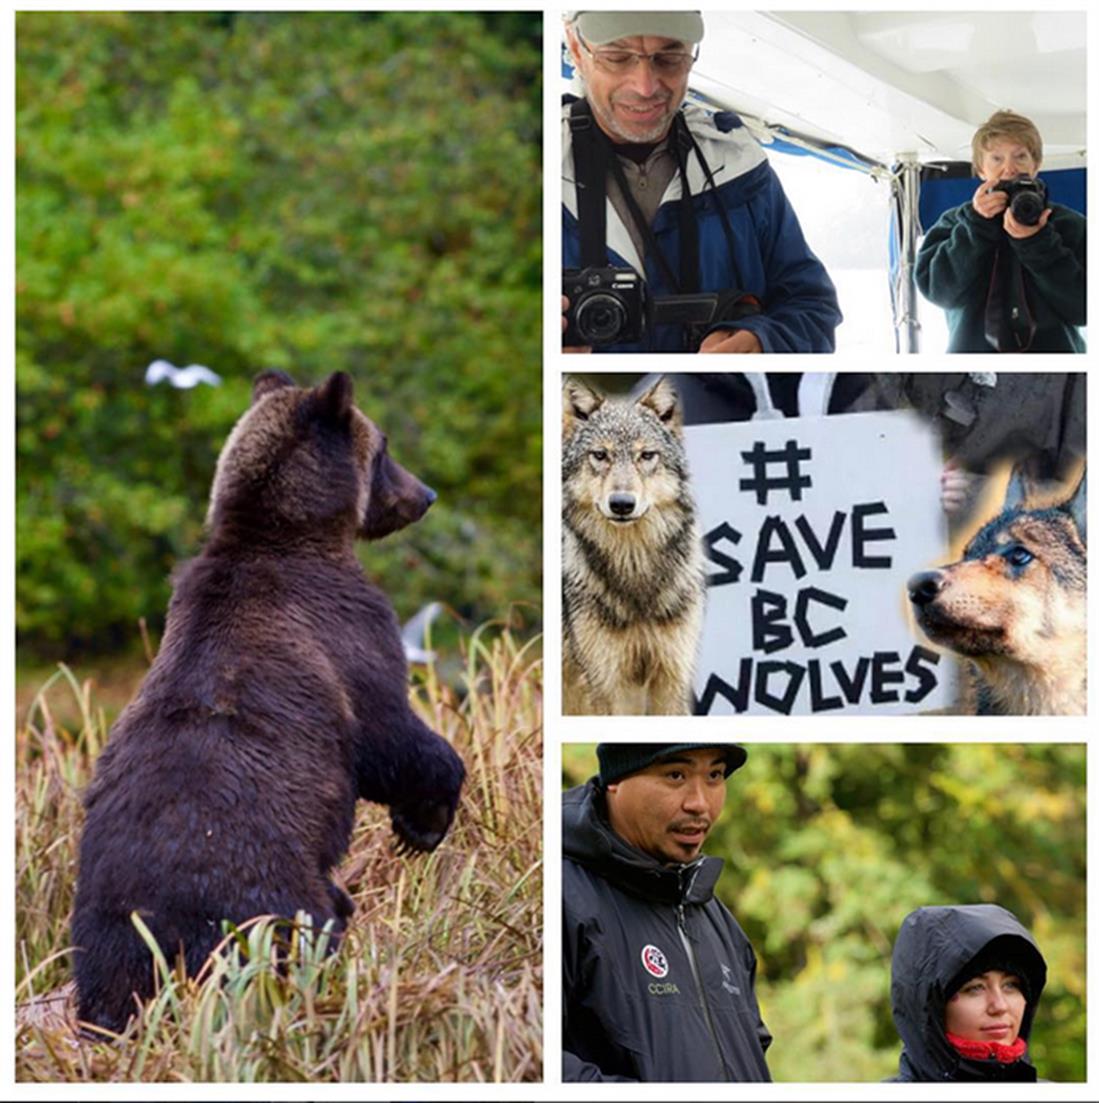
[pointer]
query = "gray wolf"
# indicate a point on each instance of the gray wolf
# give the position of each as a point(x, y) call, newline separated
point(1015, 605)
point(278, 698)
point(634, 586)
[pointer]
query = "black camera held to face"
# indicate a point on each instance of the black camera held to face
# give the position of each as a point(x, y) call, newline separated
point(1026, 198)
point(612, 306)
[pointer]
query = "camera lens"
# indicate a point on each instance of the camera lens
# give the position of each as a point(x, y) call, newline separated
point(1027, 207)
point(600, 318)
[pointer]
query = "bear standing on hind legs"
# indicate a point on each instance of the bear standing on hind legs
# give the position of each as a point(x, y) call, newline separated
point(278, 698)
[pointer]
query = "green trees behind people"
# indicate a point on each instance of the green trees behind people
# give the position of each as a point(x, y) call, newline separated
point(305, 191)
point(829, 846)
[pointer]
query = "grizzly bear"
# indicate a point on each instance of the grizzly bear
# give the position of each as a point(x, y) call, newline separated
point(278, 698)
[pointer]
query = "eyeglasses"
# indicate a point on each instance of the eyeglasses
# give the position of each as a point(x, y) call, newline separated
point(668, 63)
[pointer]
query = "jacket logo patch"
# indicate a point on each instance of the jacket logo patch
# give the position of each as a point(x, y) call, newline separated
point(654, 961)
point(727, 982)
point(665, 989)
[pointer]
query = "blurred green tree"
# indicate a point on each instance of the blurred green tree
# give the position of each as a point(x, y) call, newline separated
point(307, 191)
point(829, 846)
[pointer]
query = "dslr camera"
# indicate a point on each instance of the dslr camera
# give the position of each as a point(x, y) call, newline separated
point(606, 306)
point(610, 306)
point(1026, 198)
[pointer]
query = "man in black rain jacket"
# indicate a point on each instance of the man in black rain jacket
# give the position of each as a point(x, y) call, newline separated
point(659, 979)
point(936, 949)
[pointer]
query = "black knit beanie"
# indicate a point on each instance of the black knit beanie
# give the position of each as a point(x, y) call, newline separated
point(999, 955)
point(618, 760)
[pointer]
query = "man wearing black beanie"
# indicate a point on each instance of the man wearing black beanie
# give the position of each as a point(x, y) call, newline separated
point(659, 979)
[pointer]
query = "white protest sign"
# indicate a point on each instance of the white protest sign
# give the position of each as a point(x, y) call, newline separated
point(811, 528)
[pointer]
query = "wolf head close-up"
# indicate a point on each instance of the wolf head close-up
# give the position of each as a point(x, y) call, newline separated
point(1015, 605)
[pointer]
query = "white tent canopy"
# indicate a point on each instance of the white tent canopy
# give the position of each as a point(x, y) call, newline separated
point(900, 85)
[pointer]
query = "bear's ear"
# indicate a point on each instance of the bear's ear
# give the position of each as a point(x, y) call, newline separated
point(662, 399)
point(580, 402)
point(268, 381)
point(335, 397)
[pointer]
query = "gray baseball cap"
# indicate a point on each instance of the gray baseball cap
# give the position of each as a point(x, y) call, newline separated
point(597, 28)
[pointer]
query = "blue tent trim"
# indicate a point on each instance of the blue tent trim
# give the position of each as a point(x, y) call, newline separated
point(840, 156)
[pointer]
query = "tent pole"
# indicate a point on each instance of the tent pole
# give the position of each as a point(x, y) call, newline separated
point(907, 183)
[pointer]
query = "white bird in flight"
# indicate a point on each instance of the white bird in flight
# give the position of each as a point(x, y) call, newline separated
point(183, 378)
point(414, 633)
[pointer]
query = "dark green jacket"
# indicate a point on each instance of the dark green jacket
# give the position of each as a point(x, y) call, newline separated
point(954, 268)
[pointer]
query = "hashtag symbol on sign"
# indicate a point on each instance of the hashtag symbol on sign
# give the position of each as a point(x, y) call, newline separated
point(792, 480)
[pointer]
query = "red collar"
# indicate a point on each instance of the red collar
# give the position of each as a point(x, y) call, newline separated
point(988, 1051)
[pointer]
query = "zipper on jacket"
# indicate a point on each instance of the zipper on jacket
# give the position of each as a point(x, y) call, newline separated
point(681, 922)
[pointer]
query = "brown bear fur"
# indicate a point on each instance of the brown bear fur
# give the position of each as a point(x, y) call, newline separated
point(278, 698)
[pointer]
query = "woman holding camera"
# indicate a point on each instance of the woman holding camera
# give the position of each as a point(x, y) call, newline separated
point(1008, 267)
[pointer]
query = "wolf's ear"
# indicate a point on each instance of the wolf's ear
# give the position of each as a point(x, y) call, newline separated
point(268, 381)
point(1077, 507)
point(1017, 490)
point(580, 402)
point(662, 399)
point(334, 397)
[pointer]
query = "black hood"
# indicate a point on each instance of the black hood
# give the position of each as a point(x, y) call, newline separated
point(933, 946)
point(587, 839)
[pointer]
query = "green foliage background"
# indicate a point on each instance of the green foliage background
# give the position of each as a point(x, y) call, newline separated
point(306, 191)
point(828, 847)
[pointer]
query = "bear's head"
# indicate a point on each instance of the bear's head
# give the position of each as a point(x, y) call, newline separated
point(304, 461)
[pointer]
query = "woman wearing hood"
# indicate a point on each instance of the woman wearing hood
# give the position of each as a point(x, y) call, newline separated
point(966, 983)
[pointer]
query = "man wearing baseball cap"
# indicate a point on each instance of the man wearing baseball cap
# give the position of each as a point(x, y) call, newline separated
point(685, 198)
point(659, 979)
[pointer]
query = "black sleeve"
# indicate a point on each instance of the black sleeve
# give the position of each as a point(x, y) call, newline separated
point(1055, 257)
point(762, 1033)
point(576, 1070)
point(955, 256)
point(576, 965)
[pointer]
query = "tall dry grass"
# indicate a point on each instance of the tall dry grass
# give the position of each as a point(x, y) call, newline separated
point(439, 977)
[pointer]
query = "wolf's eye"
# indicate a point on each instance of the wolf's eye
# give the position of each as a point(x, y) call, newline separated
point(647, 456)
point(599, 455)
point(1018, 556)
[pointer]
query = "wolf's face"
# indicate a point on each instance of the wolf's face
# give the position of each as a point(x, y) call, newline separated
point(1019, 590)
point(622, 460)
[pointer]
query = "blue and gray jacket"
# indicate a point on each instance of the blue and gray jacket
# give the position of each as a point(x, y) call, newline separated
point(771, 259)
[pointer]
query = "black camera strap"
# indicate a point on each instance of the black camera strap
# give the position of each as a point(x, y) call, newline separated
point(687, 280)
point(593, 158)
point(689, 262)
point(590, 157)
point(722, 214)
point(1009, 321)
